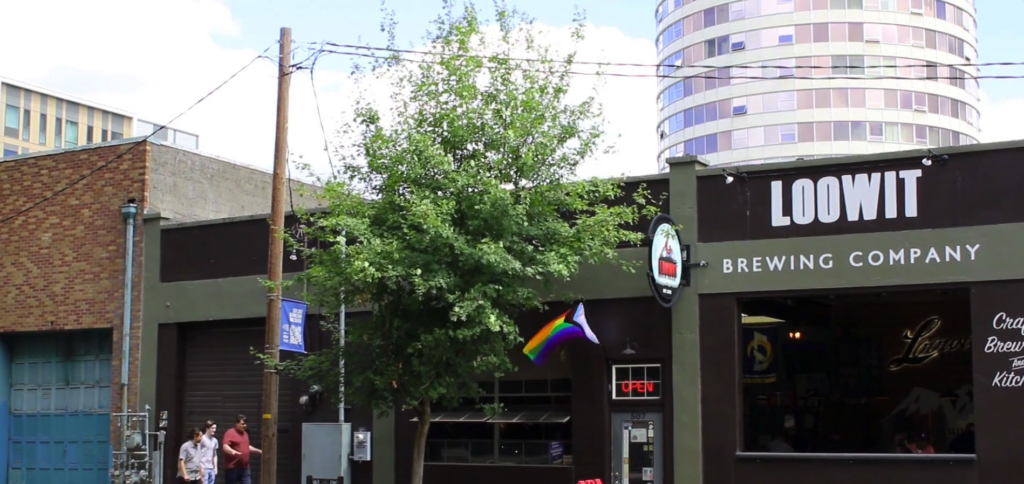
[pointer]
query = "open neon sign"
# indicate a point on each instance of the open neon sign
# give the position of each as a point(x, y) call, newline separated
point(638, 386)
point(632, 382)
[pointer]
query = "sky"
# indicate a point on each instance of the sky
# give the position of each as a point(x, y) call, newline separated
point(154, 58)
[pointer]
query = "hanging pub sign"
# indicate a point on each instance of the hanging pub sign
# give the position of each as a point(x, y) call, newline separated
point(668, 266)
point(760, 353)
point(293, 324)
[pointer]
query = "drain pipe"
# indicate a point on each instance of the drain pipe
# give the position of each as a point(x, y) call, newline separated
point(128, 212)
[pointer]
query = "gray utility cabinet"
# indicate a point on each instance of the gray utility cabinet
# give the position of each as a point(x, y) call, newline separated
point(325, 451)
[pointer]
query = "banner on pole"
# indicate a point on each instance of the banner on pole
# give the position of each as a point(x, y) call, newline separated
point(293, 324)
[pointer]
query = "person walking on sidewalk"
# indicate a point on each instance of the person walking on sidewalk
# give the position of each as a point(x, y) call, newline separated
point(236, 453)
point(208, 453)
point(189, 469)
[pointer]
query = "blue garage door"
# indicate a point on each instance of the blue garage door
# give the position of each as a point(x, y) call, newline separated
point(60, 408)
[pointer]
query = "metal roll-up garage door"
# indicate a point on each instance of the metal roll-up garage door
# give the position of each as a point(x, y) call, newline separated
point(222, 380)
point(60, 408)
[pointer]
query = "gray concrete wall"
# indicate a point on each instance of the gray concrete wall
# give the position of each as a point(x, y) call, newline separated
point(187, 186)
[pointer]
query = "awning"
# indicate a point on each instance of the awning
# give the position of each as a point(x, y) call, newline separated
point(556, 417)
point(462, 416)
point(532, 417)
point(529, 416)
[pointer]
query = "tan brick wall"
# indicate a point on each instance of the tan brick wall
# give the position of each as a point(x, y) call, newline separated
point(62, 263)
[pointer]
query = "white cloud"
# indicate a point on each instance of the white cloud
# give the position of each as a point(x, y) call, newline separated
point(154, 58)
point(1000, 119)
point(150, 58)
point(628, 102)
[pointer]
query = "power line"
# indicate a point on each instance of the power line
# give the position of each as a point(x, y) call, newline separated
point(133, 146)
point(628, 64)
point(698, 76)
point(320, 117)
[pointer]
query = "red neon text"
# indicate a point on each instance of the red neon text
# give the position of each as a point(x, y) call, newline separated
point(639, 386)
point(590, 481)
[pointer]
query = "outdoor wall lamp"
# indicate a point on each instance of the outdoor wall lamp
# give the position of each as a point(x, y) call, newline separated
point(309, 400)
point(630, 348)
point(730, 176)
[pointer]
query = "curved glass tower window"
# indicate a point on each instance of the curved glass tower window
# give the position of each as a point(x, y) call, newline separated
point(754, 81)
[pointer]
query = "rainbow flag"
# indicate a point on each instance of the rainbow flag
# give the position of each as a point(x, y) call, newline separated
point(557, 332)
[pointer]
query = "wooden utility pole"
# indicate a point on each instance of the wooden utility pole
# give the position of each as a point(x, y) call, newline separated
point(268, 424)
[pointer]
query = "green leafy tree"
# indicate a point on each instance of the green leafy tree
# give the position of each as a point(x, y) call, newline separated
point(461, 212)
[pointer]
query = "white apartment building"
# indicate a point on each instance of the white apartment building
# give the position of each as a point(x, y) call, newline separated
point(39, 119)
point(754, 81)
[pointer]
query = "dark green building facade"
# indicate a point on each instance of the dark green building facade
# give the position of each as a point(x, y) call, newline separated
point(858, 320)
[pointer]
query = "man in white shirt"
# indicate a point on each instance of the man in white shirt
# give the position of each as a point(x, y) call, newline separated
point(208, 453)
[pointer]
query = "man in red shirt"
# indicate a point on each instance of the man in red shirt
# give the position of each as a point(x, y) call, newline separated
point(236, 453)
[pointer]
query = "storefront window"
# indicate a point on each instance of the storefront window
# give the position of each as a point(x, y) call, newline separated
point(534, 417)
point(859, 373)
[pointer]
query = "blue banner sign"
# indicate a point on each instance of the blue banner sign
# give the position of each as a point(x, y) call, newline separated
point(293, 324)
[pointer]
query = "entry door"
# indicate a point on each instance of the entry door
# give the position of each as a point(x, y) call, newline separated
point(637, 448)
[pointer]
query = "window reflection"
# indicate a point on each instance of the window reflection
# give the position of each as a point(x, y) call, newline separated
point(821, 99)
point(535, 413)
point(819, 132)
point(853, 65)
point(819, 33)
point(756, 8)
point(834, 388)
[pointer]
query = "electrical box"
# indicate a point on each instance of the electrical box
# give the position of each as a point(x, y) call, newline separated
point(361, 446)
point(325, 450)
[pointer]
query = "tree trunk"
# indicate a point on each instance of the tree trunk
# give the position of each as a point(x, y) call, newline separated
point(419, 448)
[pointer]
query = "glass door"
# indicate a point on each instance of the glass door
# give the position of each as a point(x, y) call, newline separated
point(636, 448)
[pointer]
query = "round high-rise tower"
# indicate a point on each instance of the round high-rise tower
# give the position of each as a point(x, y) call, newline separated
point(754, 81)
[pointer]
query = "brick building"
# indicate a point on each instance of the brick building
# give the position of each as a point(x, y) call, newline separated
point(62, 265)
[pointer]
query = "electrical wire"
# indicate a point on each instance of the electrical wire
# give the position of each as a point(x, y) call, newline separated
point(133, 146)
point(320, 117)
point(627, 64)
point(314, 52)
point(693, 76)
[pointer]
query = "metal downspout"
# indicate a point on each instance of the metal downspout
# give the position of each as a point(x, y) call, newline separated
point(128, 212)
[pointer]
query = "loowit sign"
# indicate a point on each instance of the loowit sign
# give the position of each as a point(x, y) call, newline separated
point(858, 197)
